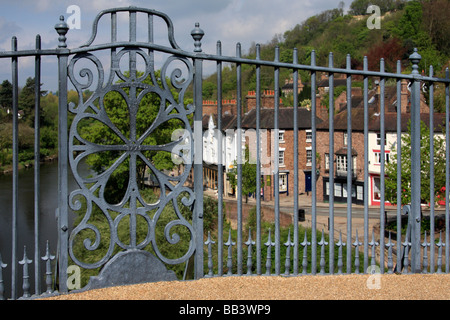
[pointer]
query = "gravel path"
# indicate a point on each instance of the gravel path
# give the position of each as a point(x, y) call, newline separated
point(329, 287)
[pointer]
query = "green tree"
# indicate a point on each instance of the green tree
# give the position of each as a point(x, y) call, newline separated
point(6, 94)
point(439, 167)
point(248, 176)
point(27, 100)
point(119, 114)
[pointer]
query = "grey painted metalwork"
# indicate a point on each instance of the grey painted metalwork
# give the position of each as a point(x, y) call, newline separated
point(2, 286)
point(339, 244)
point(26, 282)
point(48, 269)
point(220, 170)
point(37, 159)
point(269, 244)
point(209, 242)
point(249, 243)
point(288, 244)
point(313, 172)
point(239, 160)
point(356, 244)
point(230, 243)
point(415, 165)
point(296, 188)
point(410, 253)
point(258, 163)
point(331, 170)
point(349, 167)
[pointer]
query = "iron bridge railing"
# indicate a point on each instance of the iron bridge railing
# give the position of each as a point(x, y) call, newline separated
point(219, 251)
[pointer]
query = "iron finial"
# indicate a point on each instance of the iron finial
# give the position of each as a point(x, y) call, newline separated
point(61, 28)
point(415, 59)
point(197, 34)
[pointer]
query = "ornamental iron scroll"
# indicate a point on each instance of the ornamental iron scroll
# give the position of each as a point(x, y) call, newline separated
point(133, 107)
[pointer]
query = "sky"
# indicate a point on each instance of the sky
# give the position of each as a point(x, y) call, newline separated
point(230, 21)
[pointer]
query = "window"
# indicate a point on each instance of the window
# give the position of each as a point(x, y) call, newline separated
point(283, 182)
point(341, 163)
point(281, 136)
point(377, 155)
point(308, 157)
point(281, 157)
point(345, 138)
point(359, 193)
point(379, 139)
point(327, 161)
point(308, 135)
point(337, 189)
point(376, 189)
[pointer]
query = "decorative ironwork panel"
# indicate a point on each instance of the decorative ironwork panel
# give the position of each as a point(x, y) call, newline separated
point(130, 110)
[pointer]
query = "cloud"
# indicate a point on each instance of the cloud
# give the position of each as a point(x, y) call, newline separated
point(8, 29)
point(230, 21)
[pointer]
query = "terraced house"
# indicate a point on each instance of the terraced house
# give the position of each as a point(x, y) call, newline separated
point(337, 164)
point(285, 136)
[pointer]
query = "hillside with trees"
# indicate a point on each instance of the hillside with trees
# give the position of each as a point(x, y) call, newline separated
point(405, 25)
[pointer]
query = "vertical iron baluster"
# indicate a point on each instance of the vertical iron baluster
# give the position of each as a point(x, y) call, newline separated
point(219, 164)
point(382, 166)
point(415, 164)
point(357, 244)
point(132, 28)
point(340, 244)
point(305, 245)
point(425, 244)
point(313, 172)
point(350, 168)
point(440, 244)
point(209, 242)
point(26, 282)
point(230, 245)
point(366, 167)
point(399, 163)
point(373, 244)
point(150, 38)
point(322, 243)
point(288, 244)
point(48, 268)
point(269, 244)
point(331, 161)
point(406, 246)
point(432, 172)
point(258, 162)
point(15, 187)
point(2, 287)
point(240, 161)
point(447, 171)
point(197, 217)
point(276, 165)
point(63, 165)
point(390, 263)
point(295, 133)
point(37, 117)
point(113, 27)
point(249, 243)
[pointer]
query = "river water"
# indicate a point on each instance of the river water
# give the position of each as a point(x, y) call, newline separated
point(25, 221)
